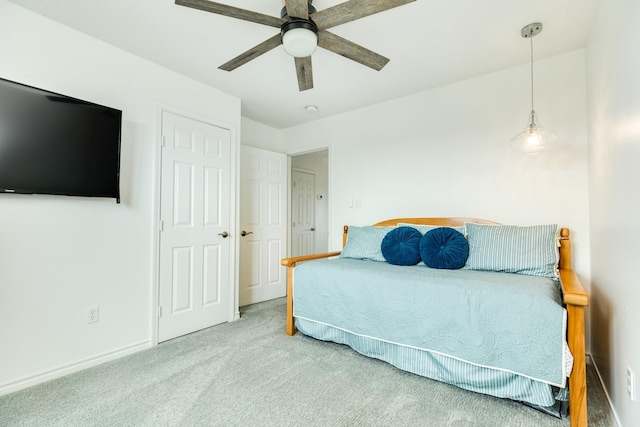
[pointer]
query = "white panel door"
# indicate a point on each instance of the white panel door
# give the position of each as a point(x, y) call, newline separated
point(195, 271)
point(263, 204)
point(303, 210)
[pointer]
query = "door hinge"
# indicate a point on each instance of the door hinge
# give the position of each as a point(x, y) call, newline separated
point(162, 140)
point(161, 226)
point(160, 311)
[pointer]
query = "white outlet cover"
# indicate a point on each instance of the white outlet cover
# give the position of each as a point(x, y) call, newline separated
point(93, 314)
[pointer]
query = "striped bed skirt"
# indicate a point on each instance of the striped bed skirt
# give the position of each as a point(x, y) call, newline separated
point(440, 367)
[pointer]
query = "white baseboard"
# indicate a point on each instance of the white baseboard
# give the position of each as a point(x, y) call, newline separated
point(61, 371)
point(614, 414)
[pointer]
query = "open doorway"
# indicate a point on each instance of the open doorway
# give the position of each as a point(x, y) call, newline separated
point(309, 203)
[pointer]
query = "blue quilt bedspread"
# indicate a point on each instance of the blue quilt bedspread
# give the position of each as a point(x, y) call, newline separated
point(503, 321)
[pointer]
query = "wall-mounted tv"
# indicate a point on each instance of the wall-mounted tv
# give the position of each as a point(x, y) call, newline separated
point(55, 144)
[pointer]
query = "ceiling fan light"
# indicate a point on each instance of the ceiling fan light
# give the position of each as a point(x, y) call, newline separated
point(300, 38)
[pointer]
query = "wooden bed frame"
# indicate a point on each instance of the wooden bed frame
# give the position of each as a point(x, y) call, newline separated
point(575, 299)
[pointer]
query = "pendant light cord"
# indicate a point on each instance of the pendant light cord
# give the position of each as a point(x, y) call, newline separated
point(531, 40)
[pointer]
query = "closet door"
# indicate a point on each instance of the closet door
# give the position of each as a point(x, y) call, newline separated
point(195, 271)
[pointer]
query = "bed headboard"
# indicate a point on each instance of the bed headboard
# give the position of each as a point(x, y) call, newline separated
point(565, 243)
point(448, 222)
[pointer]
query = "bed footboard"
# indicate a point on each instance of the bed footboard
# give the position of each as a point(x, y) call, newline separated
point(578, 378)
point(290, 263)
point(575, 299)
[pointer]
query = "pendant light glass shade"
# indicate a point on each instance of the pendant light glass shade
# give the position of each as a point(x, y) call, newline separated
point(534, 139)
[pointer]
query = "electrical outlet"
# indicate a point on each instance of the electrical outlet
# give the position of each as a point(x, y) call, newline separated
point(631, 384)
point(93, 314)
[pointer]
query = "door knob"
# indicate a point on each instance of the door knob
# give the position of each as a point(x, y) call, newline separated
point(244, 233)
point(312, 229)
point(224, 234)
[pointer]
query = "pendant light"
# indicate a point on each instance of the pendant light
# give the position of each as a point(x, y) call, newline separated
point(534, 139)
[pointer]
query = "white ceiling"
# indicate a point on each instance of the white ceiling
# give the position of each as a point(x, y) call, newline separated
point(429, 43)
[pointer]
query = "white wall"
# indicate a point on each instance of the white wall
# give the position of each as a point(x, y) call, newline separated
point(60, 255)
point(446, 152)
point(258, 135)
point(613, 70)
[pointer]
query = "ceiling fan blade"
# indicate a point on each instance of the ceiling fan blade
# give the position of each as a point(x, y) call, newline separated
point(298, 8)
point(233, 12)
point(351, 50)
point(304, 72)
point(352, 10)
point(252, 53)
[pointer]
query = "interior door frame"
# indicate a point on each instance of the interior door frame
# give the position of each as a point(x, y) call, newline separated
point(308, 150)
point(234, 298)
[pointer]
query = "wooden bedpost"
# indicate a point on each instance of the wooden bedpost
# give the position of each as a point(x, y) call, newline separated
point(290, 325)
point(578, 378)
point(565, 249)
point(575, 299)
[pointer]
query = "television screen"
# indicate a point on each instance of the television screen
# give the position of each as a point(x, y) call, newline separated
point(55, 144)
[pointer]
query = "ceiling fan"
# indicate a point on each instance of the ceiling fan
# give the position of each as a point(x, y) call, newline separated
point(302, 29)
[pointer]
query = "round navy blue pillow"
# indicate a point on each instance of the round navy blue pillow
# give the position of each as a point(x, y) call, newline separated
point(401, 246)
point(444, 247)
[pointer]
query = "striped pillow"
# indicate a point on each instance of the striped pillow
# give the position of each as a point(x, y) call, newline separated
point(365, 243)
point(512, 249)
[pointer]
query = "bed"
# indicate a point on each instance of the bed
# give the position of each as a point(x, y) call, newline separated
point(319, 305)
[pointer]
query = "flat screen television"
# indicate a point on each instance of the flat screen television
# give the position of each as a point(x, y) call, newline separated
point(55, 144)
